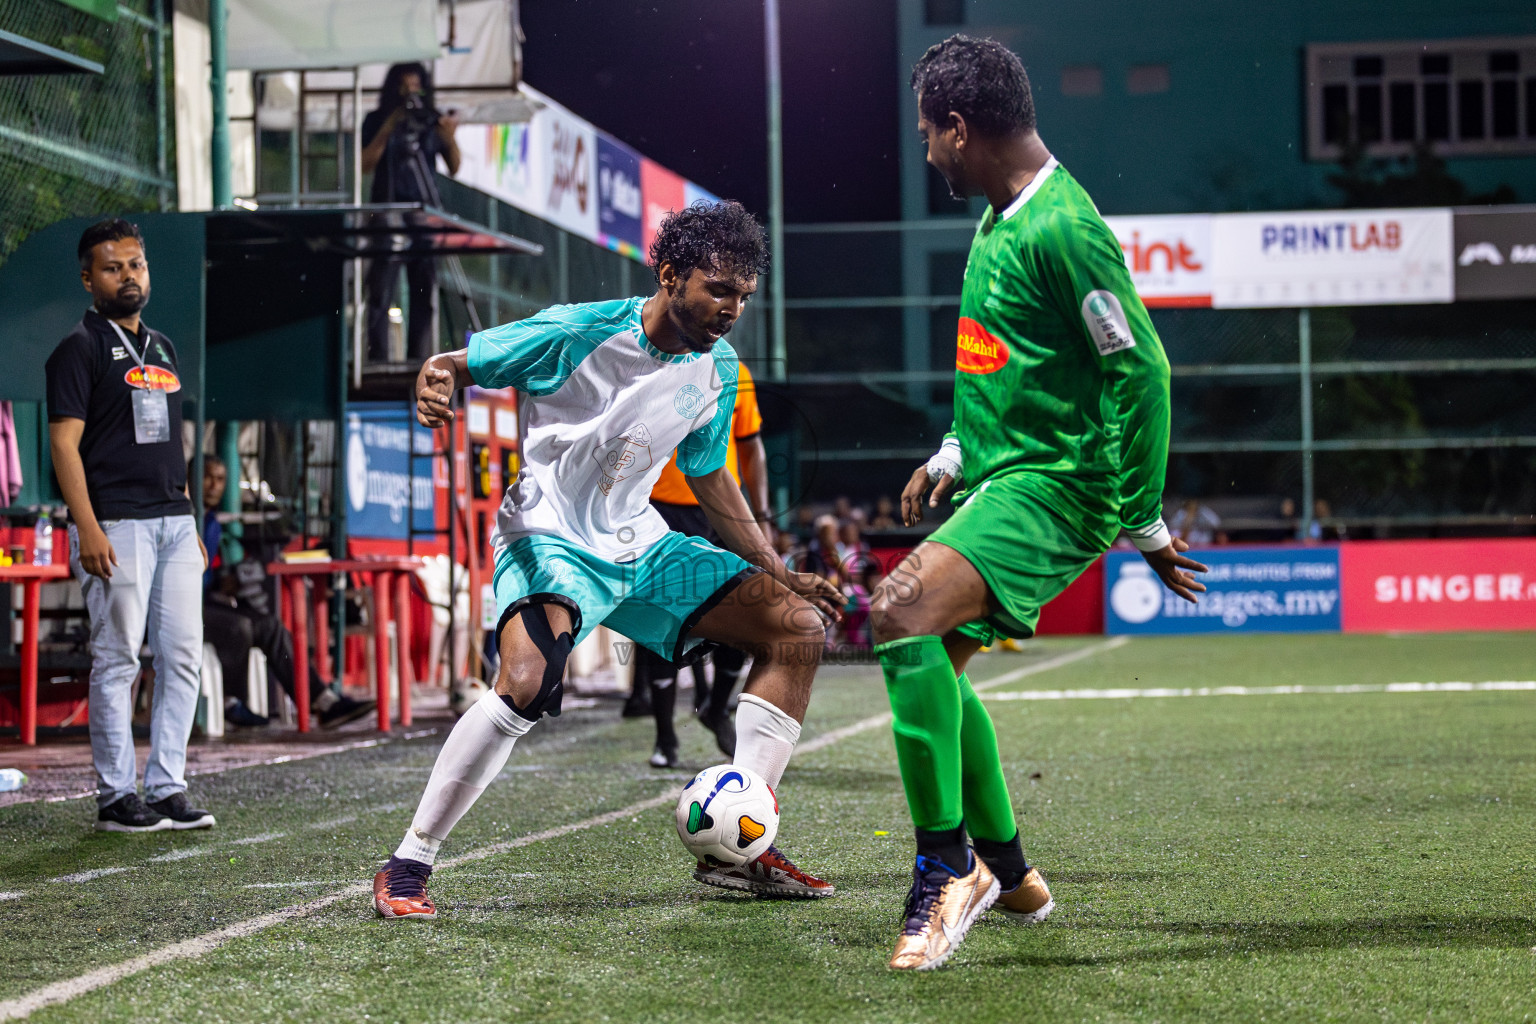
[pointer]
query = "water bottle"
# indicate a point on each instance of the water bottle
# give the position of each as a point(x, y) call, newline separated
point(12, 778)
point(42, 550)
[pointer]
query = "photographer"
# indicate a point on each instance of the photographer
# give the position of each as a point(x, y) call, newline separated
point(402, 140)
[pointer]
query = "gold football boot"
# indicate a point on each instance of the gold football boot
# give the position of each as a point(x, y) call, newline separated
point(1029, 902)
point(941, 908)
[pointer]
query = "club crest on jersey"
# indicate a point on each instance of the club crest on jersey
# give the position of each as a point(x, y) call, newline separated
point(978, 350)
point(152, 378)
point(623, 457)
point(689, 401)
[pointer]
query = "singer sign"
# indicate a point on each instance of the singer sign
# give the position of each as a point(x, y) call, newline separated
point(1437, 585)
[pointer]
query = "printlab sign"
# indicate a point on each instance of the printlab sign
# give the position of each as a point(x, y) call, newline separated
point(1248, 590)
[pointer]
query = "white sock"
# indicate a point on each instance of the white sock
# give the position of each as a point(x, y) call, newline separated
point(476, 751)
point(765, 737)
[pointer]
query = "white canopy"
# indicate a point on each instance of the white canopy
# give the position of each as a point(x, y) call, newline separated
point(266, 35)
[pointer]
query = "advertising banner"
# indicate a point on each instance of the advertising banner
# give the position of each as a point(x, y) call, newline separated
point(383, 481)
point(1342, 258)
point(560, 168)
point(1248, 590)
point(1439, 585)
point(661, 192)
point(1495, 254)
point(1169, 257)
point(618, 196)
point(569, 150)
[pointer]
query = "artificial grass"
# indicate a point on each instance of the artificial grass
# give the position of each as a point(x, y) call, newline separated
point(1301, 857)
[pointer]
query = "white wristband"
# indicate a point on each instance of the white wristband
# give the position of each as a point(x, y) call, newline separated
point(1151, 538)
point(947, 460)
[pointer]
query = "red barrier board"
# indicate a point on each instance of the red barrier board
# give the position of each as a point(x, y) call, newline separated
point(1438, 585)
point(1078, 609)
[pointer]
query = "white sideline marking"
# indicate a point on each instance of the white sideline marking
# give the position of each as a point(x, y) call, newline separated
point(11, 896)
point(1262, 691)
point(333, 823)
point(265, 837)
point(181, 854)
point(877, 721)
point(305, 755)
point(64, 991)
point(296, 885)
point(86, 876)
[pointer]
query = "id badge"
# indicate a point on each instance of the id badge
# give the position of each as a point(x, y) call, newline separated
point(151, 417)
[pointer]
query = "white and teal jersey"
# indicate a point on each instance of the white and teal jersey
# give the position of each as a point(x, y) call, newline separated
point(602, 411)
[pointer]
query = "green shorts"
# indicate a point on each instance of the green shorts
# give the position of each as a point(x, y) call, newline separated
point(1029, 540)
point(656, 600)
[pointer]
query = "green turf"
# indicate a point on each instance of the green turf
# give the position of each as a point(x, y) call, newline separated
point(1299, 857)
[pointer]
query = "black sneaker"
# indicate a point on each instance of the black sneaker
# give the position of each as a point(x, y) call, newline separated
point(128, 814)
point(724, 730)
point(236, 713)
point(664, 757)
point(343, 710)
point(180, 812)
point(638, 704)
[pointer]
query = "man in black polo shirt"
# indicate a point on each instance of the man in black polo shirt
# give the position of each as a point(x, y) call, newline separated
point(114, 429)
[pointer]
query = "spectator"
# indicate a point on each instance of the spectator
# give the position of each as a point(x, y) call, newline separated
point(402, 140)
point(115, 436)
point(1197, 525)
point(237, 618)
point(1323, 526)
point(859, 577)
point(822, 555)
point(885, 514)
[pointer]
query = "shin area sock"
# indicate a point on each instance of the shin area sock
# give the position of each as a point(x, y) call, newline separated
point(765, 737)
point(476, 751)
point(988, 808)
point(925, 703)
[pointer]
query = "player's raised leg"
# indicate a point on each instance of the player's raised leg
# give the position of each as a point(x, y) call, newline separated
point(785, 636)
point(535, 641)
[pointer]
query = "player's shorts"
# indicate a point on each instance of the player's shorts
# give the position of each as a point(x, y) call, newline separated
point(656, 600)
point(1028, 540)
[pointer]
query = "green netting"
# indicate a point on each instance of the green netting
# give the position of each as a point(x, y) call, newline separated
point(80, 145)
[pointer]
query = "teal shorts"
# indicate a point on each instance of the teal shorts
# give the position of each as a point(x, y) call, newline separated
point(656, 600)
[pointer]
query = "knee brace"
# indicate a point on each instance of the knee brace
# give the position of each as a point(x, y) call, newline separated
point(556, 650)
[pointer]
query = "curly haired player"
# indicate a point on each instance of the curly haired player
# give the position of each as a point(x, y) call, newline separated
point(609, 391)
point(1060, 440)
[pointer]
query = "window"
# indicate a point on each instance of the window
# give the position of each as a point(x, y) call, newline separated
point(1466, 97)
point(1145, 79)
point(943, 12)
point(1082, 80)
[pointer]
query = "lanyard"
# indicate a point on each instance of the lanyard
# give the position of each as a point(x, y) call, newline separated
point(122, 334)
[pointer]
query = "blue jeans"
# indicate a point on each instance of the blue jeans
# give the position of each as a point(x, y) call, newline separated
point(155, 594)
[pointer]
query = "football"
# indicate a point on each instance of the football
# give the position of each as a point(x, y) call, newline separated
point(463, 694)
point(727, 815)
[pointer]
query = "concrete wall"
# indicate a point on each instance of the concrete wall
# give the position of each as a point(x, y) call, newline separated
point(1229, 132)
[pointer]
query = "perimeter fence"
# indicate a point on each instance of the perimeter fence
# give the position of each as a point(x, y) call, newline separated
point(78, 144)
point(1380, 420)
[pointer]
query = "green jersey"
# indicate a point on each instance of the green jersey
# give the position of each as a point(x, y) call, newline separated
point(1059, 371)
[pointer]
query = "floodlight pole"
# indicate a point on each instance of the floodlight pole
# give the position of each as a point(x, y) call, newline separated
point(777, 354)
point(218, 60)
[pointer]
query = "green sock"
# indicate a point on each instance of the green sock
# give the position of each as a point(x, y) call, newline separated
point(988, 809)
point(925, 700)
